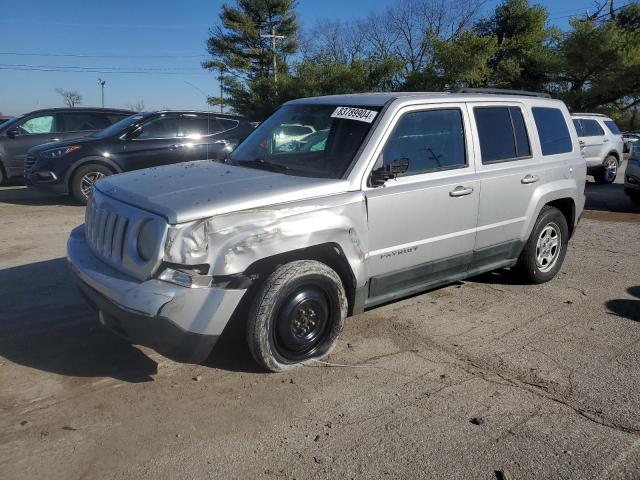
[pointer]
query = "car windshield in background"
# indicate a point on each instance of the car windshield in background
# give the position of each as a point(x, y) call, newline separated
point(118, 127)
point(307, 140)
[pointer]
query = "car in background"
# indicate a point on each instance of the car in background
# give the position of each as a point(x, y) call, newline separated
point(4, 118)
point(20, 134)
point(630, 138)
point(601, 145)
point(632, 174)
point(143, 140)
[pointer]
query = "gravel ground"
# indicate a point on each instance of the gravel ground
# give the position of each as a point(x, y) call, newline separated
point(487, 378)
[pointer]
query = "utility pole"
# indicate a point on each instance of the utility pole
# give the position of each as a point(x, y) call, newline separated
point(101, 82)
point(273, 38)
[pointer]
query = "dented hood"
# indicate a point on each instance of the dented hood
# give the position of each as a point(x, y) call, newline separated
point(194, 190)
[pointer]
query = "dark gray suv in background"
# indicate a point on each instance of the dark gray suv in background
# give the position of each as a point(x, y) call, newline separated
point(18, 135)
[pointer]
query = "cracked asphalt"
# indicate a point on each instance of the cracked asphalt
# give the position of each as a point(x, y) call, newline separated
point(487, 378)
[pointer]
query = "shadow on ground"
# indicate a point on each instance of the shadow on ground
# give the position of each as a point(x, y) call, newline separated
point(610, 198)
point(625, 307)
point(17, 194)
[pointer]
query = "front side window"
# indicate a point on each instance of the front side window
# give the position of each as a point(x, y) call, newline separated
point(431, 140)
point(158, 128)
point(307, 140)
point(613, 128)
point(578, 125)
point(502, 134)
point(38, 125)
point(552, 130)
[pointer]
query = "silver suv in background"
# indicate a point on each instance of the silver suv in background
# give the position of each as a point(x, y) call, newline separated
point(408, 192)
point(601, 143)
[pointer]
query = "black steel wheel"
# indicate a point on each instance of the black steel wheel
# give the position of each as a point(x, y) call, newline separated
point(296, 316)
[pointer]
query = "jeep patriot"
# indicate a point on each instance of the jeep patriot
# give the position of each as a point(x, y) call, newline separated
point(390, 194)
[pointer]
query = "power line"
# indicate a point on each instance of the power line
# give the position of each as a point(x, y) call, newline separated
point(77, 67)
point(77, 55)
point(138, 72)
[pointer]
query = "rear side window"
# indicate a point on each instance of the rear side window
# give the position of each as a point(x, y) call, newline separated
point(431, 140)
point(552, 130)
point(83, 121)
point(502, 134)
point(227, 124)
point(613, 128)
point(158, 128)
point(591, 128)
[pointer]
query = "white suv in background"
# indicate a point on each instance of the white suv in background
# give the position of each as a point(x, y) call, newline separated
point(601, 144)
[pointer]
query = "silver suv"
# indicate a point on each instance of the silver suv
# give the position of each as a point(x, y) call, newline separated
point(601, 143)
point(404, 193)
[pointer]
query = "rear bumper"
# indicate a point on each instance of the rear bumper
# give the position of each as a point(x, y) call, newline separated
point(180, 323)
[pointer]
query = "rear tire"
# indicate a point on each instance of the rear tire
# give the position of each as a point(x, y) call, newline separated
point(2, 176)
point(296, 316)
point(608, 172)
point(634, 196)
point(544, 252)
point(83, 179)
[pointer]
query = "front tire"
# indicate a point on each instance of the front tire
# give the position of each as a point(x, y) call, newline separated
point(296, 316)
point(544, 252)
point(84, 178)
point(608, 172)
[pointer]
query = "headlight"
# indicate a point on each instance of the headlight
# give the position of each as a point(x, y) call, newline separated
point(59, 152)
point(147, 240)
point(187, 244)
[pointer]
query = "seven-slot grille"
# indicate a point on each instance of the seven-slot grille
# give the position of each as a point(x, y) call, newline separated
point(106, 232)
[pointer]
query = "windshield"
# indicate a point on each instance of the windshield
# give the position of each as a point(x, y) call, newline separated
point(307, 140)
point(118, 127)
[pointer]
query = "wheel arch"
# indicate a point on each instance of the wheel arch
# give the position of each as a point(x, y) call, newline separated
point(330, 254)
point(87, 161)
point(567, 207)
point(615, 154)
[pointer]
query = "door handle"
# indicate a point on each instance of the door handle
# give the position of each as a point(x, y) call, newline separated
point(460, 191)
point(606, 140)
point(53, 140)
point(529, 179)
point(176, 145)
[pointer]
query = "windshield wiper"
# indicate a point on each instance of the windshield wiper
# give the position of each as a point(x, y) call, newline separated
point(263, 164)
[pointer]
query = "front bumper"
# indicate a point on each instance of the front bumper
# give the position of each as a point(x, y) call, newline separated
point(180, 323)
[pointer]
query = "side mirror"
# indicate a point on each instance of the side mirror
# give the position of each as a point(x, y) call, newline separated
point(391, 170)
point(13, 133)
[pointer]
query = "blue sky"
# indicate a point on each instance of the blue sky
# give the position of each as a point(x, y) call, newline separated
point(140, 28)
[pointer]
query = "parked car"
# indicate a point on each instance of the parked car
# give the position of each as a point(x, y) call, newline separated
point(20, 134)
point(601, 143)
point(632, 174)
point(410, 191)
point(139, 141)
point(629, 139)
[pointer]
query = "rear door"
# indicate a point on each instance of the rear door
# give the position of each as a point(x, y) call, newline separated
point(31, 131)
point(592, 140)
point(156, 142)
point(422, 224)
point(509, 172)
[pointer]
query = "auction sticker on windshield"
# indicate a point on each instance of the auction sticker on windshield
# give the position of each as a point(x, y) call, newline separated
point(349, 113)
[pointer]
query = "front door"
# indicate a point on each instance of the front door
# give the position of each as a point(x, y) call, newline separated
point(154, 143)
point(422, 224)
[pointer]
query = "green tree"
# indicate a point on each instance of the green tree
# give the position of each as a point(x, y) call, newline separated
point(601, 62)
point(526, 57)
point(240, 49)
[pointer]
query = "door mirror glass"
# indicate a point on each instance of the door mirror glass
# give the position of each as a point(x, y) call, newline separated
point(389, 170)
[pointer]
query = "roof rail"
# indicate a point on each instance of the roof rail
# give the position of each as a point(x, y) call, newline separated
point(502, 91)
point(590, 114)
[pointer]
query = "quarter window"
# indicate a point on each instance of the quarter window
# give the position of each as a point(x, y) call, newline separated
point(552, 130)
point(38, 125)
point(613, 128)
point(431, 140)
point(502, 134)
